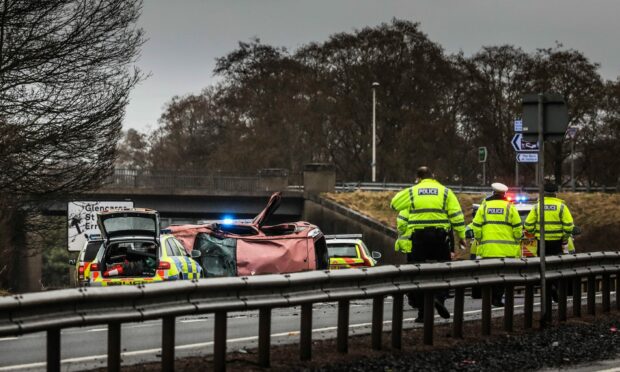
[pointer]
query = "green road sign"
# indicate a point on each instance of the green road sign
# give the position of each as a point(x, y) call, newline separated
point(482, 154)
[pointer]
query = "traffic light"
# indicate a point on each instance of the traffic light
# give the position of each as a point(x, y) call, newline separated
point(482, 154)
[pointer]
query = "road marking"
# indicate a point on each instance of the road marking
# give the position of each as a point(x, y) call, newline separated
point(193, 320)
point(231, 341)
point(97, 330)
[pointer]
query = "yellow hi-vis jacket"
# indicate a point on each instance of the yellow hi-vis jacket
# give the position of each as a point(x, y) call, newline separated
point(497, 227)
point(403, 242)
point(558, 220)
point(430, 204)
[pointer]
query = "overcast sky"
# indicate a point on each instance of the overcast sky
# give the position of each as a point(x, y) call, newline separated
point(186, 36)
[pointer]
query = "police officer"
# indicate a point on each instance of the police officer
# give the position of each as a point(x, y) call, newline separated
point(558, 222)
point(433, 212)
point(498, 230)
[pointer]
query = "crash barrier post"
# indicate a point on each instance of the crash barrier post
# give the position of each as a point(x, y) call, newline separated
point(459, 312)
point(397, 321)
point(577, 297)
point(114, 346)
point(264, 336)
point(305, 333)
point(486, 310)
point(55, 310)
point(219, 341)
point(509, 307)
point(591, 295)
point(528, 306)
point(618, 291)
point(53, 350)
point(167, 343)
point(429, 317)
point(606, 293)
point(562, 300)
point(377, 322)
point(343, 326)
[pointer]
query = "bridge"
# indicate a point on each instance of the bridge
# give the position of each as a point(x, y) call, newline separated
point(187, 198)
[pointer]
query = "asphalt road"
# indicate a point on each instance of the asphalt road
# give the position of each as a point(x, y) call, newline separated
point(86, 348)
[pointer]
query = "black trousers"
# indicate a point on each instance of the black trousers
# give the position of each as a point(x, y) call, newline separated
point(429, 244)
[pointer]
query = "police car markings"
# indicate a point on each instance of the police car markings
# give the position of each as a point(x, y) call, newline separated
point(234, 340)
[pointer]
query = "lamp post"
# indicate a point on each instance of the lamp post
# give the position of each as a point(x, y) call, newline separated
point(374, 132)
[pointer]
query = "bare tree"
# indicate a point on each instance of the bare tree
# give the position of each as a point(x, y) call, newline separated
point(66, 70)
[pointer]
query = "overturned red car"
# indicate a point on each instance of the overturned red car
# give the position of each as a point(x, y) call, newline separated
point(242, 249)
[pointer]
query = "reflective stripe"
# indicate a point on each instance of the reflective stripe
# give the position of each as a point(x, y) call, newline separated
point(403, 218)
point(549, 231)
point(516, 225)
point(455, 214)
point(411, 198)
point(568, 224)
point(511, 242)
point(459, 224)
point(508, 206)
point(445, 198)
point(476, 224)
point(530, 224)
point(411, 222)
point(427, 210)
point(497, 223)
point(561, 211)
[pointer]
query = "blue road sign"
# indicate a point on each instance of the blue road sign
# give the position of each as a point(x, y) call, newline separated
point(527, 157)
point(518, 126)
point(520, 145)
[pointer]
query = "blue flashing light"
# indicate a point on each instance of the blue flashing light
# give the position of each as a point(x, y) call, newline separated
point(227, 220)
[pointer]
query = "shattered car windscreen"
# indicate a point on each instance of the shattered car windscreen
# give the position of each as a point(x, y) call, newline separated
point(116, 224)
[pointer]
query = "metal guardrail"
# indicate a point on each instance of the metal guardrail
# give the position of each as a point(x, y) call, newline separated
point(55, 310)
point(381, 186)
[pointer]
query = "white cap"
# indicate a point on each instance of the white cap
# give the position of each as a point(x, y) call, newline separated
point(499, 187)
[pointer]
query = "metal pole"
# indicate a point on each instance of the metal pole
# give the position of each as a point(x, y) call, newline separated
point(541, 210)
point(572, 164)
point(219, 342)
point(516, 173)
point(342, 339)
point(484, 173)
point(374, 132)
point(377, 322)
point(397, 321)
point(264, 336)
point(53, 349)
point(114, 346)
point(167, 343)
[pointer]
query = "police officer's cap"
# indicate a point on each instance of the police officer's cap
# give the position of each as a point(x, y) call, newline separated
point(499, 188)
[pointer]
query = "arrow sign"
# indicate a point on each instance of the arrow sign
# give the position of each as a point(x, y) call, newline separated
point(527, 157)
point(520, 145)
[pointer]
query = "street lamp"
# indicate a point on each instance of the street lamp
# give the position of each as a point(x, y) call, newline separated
point(374, 132)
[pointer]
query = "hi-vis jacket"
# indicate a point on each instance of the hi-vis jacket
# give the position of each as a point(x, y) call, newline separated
point(403, 242)
point(430, 204)
point(497, 227)
point(558, 220)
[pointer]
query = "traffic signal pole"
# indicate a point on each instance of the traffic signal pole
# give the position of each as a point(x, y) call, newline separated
point(541, 212)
